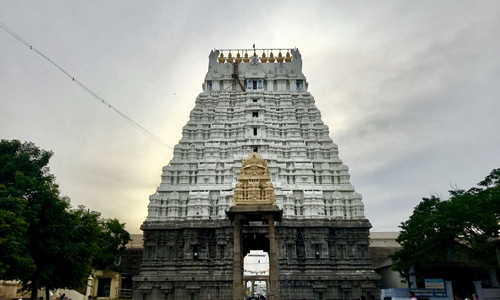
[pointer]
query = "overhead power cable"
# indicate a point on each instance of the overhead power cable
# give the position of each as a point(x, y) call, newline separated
point(88, 90)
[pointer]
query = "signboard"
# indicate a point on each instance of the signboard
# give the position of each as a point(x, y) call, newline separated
point(427, 293)
point(419, 293)
point(434, 283)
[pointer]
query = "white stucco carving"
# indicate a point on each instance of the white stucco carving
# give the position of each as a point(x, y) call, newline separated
point(275, 116)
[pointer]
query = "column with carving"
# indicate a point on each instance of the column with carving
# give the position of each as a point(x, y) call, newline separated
point(273, 262)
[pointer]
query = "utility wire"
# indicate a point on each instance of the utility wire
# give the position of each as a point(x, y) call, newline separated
point(88, 90)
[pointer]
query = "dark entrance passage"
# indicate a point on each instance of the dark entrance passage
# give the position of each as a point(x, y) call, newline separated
point(255, 238)
point(103, 287)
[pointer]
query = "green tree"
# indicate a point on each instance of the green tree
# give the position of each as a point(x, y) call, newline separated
point(13, 241)
point(465, 226)
point(112, 239)
point(44, 243)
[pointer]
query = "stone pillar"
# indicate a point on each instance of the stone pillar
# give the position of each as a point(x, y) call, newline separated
point(449, 290)
point(412, 283)
point(479, 289)
point(89, 285)
point(237, 260)
point(273, 262)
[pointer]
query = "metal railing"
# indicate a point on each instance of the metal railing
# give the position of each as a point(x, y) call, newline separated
point(125, 293)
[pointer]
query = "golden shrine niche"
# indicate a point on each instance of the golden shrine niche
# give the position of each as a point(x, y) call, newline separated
point(254, 185)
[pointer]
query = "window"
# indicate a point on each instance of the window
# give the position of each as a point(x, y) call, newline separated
point(255, 100)
point(299, 86)
point(254, 86)
point(255, 114)
point(255, 131)
point(256, 149)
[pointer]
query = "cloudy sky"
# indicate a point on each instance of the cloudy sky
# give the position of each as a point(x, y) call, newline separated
point(409, 89)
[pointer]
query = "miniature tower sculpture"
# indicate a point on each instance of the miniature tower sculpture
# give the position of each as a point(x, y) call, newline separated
point(254, 185)
point(255, 103)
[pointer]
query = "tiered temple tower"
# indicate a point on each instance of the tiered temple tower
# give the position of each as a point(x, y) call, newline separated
point(255, 103)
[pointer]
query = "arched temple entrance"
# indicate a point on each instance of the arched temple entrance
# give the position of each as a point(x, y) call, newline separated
point(254, 204)
point(256, 259)
point(241, 216)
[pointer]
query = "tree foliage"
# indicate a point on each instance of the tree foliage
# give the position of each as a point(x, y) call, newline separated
point(112, 238)
point(43, 241)
point(465, 226)
point(13, 241)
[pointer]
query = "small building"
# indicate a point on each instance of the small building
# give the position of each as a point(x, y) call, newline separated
point(105, 284)
point(462, 276)
point(383, 244)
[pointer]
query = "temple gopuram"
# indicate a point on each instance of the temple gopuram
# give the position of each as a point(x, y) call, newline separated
point(255, 167)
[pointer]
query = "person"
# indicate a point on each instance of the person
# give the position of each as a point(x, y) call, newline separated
point(89, 298)
point(412, 295)
point(457, 297)
point(475, 297)
point(63, 297)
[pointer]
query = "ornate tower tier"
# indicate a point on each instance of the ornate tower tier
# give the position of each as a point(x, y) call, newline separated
point(259, 107)
point(255, 102)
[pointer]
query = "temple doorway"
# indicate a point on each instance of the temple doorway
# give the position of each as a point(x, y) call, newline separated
point(256, 274)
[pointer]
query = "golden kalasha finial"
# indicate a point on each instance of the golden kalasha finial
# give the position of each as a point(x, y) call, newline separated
point(264, 58)
point(288, 58)
point(246, 59)
point(238, 57)
point(221, 58)
point(280, 57)
point(271, 57)
point(229, 58)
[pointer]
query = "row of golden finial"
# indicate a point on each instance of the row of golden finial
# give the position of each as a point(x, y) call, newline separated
point(263, 58)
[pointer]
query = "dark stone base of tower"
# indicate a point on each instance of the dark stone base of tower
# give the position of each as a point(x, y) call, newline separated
point(318, 259)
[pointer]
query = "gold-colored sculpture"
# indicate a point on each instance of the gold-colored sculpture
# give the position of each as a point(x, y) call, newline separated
point(271, 57)
point(263, 58)
point(221, 58)
point(229, 58)
point(254, 185)
point(288, 58)
point(238, 58)
point(280, 57)
point(246, 59)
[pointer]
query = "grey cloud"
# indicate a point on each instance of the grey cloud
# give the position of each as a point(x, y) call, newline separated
point(408, 90)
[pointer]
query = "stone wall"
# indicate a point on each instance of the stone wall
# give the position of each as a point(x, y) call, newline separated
point(318, 259)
